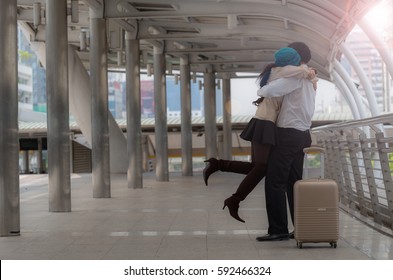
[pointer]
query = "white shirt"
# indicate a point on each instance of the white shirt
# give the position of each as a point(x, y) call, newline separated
point(298, 104)
point(270, 108)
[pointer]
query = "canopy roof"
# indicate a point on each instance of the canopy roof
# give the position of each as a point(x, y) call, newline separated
point(225, 36)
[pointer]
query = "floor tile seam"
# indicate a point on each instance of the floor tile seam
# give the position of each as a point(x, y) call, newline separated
point(188, 233)
point(157, 210)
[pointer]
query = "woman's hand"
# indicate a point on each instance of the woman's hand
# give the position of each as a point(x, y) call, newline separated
point(312, 74)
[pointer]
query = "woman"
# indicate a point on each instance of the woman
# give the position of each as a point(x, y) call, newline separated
point(261, 130)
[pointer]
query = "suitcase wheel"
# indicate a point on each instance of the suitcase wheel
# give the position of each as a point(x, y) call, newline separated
point(300, 244)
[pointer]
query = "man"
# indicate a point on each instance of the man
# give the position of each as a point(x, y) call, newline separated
point(286, 160)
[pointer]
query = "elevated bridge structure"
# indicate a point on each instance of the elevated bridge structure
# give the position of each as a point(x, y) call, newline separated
point(79, 41)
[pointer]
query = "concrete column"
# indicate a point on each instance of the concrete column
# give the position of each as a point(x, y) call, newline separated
point(134, 130)
point(210, 115)
point(26, 163)
point(227, 118)
point(220, 144)
point(161, 130)
point(40, 159)
point(145, 153)
point(186, 126)
point(9, 136)
point(99, 107)
point(58, 106)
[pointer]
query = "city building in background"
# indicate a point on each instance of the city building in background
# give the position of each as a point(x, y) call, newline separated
point(368, 56)
point(371, 62)
point(32, 91)
point(117, 97)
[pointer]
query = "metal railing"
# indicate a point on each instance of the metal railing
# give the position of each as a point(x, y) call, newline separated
point(359, 157)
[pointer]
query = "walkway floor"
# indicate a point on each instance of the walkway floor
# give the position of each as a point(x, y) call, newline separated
point(179, 219)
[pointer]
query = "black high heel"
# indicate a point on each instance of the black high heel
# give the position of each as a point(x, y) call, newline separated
point(233, 206)
point(211, 167)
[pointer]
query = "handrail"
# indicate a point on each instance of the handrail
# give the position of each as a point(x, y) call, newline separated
point(388, 118)
point(359, 157)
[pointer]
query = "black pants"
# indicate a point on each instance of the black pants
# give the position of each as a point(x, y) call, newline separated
point(284, 169)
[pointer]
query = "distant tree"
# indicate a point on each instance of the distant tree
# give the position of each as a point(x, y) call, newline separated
point(24, 56)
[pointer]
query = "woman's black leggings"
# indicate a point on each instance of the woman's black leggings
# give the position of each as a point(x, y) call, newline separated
point(255, 170)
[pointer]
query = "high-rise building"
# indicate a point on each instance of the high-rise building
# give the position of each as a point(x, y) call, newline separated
point(31, 78)
point(368, 55)
point(370, 61)
point(32, 90)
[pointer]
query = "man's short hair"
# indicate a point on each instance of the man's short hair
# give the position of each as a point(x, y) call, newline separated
point(302, 49)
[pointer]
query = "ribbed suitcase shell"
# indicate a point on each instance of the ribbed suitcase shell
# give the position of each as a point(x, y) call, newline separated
point(316, 211)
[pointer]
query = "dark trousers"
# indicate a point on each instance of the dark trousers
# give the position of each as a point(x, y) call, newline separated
point(254, 170)
point(284, 169)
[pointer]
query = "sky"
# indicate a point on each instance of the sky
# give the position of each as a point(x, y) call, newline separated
point(244, 91)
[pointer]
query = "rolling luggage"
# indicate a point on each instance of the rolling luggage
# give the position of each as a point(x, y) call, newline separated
point(316, 207)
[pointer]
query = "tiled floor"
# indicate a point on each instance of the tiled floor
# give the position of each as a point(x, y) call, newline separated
point(179, 219)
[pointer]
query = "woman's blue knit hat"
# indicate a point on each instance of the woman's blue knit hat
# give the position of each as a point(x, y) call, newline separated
point(286, 56)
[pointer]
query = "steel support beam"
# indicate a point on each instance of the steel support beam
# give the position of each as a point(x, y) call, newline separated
point(347, 94)
point(59, 168)
point(186, 126)
point(99, 107)
point(9, 135)
point(210, 115)
point(161, 130)
point(351, 86)
point(227, 117)
point(363, 78)
point(133, 97)
point(40, 159)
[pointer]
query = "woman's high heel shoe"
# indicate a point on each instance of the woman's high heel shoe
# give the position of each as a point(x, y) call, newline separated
point(211, 167)
point(233, 206)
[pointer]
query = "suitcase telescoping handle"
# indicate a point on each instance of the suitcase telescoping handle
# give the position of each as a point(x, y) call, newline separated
point(314, 150)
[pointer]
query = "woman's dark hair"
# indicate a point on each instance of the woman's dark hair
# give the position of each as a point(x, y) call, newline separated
point(262, 80)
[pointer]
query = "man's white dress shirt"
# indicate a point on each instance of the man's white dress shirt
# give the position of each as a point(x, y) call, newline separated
point(298, 104)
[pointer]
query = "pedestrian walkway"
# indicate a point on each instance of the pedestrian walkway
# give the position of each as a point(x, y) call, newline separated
point(176, 220)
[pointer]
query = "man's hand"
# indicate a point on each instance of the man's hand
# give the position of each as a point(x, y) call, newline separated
point(312, 74)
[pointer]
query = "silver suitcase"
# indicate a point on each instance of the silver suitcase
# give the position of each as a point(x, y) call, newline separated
point(316, 207)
